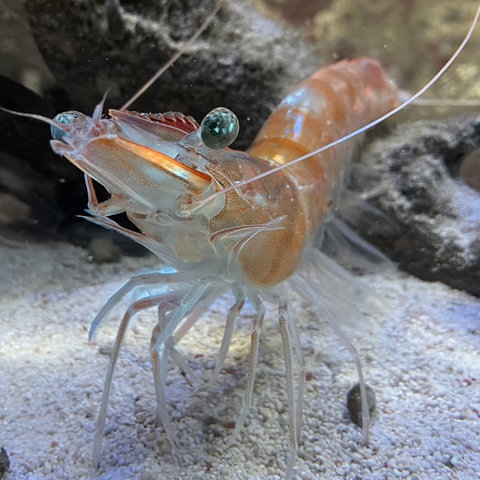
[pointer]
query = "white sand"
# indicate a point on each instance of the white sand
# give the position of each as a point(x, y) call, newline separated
point(423, 363)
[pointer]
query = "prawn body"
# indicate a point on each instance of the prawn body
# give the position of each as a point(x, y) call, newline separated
point(217, 234)
point(156, 166)
point(251, 240)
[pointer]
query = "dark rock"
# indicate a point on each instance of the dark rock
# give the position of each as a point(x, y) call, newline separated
point(354, 403)
point(242, 61)
point(30, 173)
point(4, 462)
point(413, 179)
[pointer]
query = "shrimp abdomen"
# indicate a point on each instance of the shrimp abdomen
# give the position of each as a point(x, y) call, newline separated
point(330, 104)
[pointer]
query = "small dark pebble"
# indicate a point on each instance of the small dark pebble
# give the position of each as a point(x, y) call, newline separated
point(4, 462)
point(354, 403)
point(210, 420)
point(104, 250)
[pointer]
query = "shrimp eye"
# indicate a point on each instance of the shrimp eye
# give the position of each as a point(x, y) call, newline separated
point(219, 128)
point(65, 118)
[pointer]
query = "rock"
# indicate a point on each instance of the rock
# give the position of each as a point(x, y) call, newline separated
point(103, 250)
point(412, 176)
point(94, 46)
point(4, 462)
point(354, 403)
point(30, 173)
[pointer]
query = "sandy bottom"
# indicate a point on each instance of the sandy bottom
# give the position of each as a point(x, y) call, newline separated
point(422, 361)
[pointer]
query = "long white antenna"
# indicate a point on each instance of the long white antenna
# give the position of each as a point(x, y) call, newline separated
point(356, 132)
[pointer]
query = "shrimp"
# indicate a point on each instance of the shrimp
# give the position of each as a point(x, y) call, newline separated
point(229, 221)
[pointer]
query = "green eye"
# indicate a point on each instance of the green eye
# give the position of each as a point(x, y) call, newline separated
point(219, 128)
point(65, 118)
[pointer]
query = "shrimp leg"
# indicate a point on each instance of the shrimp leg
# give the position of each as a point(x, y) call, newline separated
point(166, 311)
point(158, 293)
point(302, 285)
point(162, 342)
point(112, 206)
point(131, 311)
point(160, 369)
point(198, 293)
point(289, 333)
point(227, 334)
point(252, 366)
point(137, 282)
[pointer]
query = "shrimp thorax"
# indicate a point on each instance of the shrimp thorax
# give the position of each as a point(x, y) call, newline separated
point(159, 171)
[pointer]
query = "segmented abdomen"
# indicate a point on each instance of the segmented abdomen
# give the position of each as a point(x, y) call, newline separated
point(330, 104)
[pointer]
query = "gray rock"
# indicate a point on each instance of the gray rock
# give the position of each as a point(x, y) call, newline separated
point(4, 462)
point(30, 175)
point(412, 176)
point(242, 61)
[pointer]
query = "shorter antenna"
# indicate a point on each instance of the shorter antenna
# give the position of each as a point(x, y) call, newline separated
point(175, 57)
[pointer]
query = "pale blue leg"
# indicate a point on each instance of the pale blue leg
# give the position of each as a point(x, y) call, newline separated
point(160, 362)
point(303, 287)
point(163, 340)
point(233, 314)
point(131, 311)
point(152, 279)
point(292, 352)
point(164, 311)
point(200, 291)
point(252, 366)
